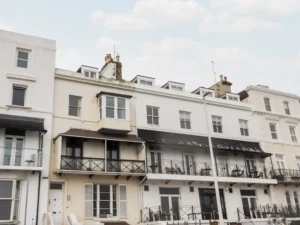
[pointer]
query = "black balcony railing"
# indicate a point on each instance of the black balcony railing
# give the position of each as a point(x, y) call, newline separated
point(98, 164)
point(242, 170)
point(82, 163)
point(180, 212)
point(262, 212)
point(205, 169)
point(286, 175)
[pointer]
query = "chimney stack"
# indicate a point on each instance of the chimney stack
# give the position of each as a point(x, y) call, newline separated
point(118, 68)
point(221, 77)
point(225, 78)
point(107, 58)
point(117, 58)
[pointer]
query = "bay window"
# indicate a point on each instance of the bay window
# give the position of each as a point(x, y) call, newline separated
point(113, 107)
point(105, 201)
point(9, 200)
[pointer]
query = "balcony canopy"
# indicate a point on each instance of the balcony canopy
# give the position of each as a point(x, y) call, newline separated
point(22, 122)
point(184, 140)
point(89, 134)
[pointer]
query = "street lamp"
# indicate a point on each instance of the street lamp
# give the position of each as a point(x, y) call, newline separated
point(214, 169)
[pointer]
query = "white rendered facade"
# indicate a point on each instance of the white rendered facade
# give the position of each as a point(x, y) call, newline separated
point(26, 103)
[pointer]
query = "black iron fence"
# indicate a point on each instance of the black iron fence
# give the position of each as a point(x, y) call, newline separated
point(98, 164)
point(181, 212)
point(268, 211)
point(286, 175)
point(205, 169)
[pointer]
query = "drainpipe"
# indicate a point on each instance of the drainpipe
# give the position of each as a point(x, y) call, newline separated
point(220, 212)
point(26, 203)
point(41, 141)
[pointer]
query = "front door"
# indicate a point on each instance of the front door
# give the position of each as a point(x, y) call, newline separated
point(170, 207)
point(208, 204)
point(56, 202)
point(190, 165)
point(13, 151)
point(155, 162)
point(112, 155)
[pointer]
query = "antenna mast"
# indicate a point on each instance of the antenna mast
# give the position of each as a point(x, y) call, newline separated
point(212, 63)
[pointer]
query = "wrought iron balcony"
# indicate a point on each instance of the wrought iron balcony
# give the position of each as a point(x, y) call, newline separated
point(268, 211)
point(242, 170)
point(179, 167)
point(180, 212)
point(286, 175)
point(20, 157)
point(205, 169)
point(98, 164)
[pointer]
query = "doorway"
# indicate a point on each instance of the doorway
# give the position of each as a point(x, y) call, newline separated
point(249, 202)
point(56, 202)
point(155, 161)
point(208, 203)
point(222, 166)
point(113, 156)
point(250, 166)
point(190, 165)
point(13, 150)
point(74, 154)
point(170, 203)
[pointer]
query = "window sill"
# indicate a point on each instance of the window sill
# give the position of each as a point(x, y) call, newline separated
point(21, 77)
point(18, 107)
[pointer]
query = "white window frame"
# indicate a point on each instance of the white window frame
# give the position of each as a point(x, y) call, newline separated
point(25, 93)
point(232, 97)
point(89, 72)
point(203, 91)
point(78, 107)
point(281, 161)
point(152, 115)
point(115, 107)
point(217, 121)
point(185, 118)
point(13, 200)
point(274, 132)
point(268, 106)
point(146, 82)
point(17, 57)
point(244, 129)
point(287, 109)
point(293, 134)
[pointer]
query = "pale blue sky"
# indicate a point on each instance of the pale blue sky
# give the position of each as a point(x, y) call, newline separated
point(252, 41)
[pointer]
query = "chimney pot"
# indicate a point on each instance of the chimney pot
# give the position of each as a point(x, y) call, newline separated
point(117, 58)
point(107, 58)
point(225, 78)
point(221, 77)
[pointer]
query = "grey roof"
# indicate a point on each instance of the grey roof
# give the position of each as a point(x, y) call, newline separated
point(22, 122)
point(90, 134)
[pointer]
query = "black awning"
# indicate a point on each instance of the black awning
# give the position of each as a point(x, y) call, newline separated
point(89, 134)
point(22, 122)
point(184, 140)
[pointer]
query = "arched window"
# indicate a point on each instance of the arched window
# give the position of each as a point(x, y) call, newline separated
point(296, 199)
point(288, 200)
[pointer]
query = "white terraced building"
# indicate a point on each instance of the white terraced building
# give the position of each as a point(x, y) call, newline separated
point(26, 103)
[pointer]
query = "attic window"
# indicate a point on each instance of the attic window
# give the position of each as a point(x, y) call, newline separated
point(232, 97)
point(146, 82)
point(176, 88)
point(210, 92)
point(89, 74)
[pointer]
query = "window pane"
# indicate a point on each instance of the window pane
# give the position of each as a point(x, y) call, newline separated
point(110, 113)
point(104, 188)
point(22, 63)
point(104, 196)
point(105, 204)
point(121, 113)
point(5, 209)
point(110, 101)
point(86, 74)
point(182, 124)
point(155, 111)
point(188, 125)
point(149, 110)
point(18, 96)
point(155, 120)
point(149, 119)
point(22, 55)
point(104, 213)
point(73, 111)
point(121, 103)
point(93, 74)
point(74, 101)
point(6, 189)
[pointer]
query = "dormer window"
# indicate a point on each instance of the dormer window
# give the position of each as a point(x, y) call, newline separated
point(89, 74)
point(176, 88)
point(146, 82)
point(172, 85)
point(204, 91)
point(232, 97)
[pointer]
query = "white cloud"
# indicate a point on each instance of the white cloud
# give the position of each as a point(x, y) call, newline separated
point(226, 23)
point(273, 6)
point(4, 26)
point(69, 59)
